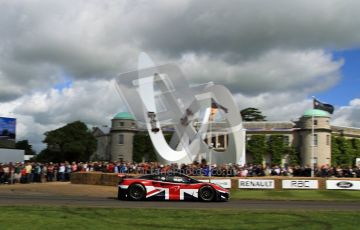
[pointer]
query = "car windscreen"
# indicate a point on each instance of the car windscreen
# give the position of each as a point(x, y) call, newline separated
point(147, 177)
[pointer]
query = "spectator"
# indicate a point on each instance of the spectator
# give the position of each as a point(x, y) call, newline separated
point(61, 172)
point(50, 172)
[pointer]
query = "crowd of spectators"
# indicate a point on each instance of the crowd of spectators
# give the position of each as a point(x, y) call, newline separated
point(29, 172)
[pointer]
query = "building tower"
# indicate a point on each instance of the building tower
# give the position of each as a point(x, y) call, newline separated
point(123, 129)
point(318, 120)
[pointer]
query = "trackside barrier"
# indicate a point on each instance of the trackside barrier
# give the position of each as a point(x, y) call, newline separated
point(277, 183)
point(343, 184)
point(300, 184)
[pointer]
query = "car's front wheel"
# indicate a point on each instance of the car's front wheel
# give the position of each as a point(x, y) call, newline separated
point(206, 193)
point(136, 192)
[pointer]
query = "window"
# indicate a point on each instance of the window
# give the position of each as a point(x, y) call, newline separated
point(213, 142)
point(315, 122)
point(327, 139)
point(221, 142)
point(178, 179)
point(286, 140)
point(121, 139)
point(121, 123)
point(315, 140)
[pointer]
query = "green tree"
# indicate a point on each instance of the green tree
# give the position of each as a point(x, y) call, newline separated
point(256, 146)
point(335, 151)
point(252, 114)
point(294, 156)
point(277, 148)
point(73, 142)
point(138, 147)
point(355, 144)
point(143, 148)
point(342, 151)
point(24, 144)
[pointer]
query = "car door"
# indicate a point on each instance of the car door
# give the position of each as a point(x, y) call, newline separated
point(188, 189)
point(173, 183)
point(161, 187)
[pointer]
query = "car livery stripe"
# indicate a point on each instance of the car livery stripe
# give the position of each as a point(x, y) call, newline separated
point(192, 192)
point(152, 191)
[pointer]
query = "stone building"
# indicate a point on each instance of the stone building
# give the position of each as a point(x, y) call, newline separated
point(299, 135)
point(317, 147)
point(116, 142)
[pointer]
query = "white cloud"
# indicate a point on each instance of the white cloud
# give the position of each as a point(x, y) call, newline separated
point(93, 102)
point(275, 71)
point(276, 106)
point(90, 101)
point(97, 39)
point(348, 115)
point(271, 54)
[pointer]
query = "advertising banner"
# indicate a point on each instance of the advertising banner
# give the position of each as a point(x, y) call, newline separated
point(357, 162)
point(7, 128)
point(300, 184)
point(343, 184)
point(256, 184)
point(225, 183)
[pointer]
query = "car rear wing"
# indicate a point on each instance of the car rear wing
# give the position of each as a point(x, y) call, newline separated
point(122, 176)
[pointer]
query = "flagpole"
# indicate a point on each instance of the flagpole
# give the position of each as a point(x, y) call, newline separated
point(210, 151)
point(312, 141)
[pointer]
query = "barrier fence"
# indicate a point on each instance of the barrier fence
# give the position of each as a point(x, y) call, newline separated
point(277, 183)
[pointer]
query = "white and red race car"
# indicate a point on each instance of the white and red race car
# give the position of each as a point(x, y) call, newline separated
point(170, 186)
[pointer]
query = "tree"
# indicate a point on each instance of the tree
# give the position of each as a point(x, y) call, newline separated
point(343, 151)
point(355, 143)
point(335, 151)
point(73, 142)
point(24, 144)
point(277, 148)
point(294, 156)
point(143, 148)
point(252, 114)
point(256, 146)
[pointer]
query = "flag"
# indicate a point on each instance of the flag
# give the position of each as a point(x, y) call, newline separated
point(323, 106)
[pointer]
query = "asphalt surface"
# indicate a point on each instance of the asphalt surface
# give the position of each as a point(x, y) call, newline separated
point(67, 194)
point(36, 199)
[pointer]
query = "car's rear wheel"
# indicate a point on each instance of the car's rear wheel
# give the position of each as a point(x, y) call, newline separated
point(206, 193)
point(136, 192)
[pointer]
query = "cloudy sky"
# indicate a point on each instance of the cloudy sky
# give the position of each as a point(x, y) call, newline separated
point(58, 59)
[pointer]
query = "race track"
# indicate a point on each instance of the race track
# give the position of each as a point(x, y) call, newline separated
point(232, 204)
point(66, 194)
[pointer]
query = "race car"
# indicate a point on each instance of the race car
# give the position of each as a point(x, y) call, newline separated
point(169, 186)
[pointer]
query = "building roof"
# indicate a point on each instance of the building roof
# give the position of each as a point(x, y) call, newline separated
point(316, 113)
point(101, 131)
point(104, 129)
point(268, 125)
point(124, 116)
point(346, 131)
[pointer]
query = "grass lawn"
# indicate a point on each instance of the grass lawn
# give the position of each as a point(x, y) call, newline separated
point(41, 217)
point(326, 195)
